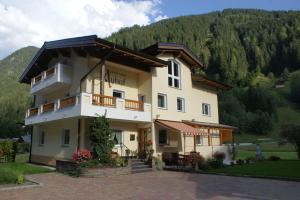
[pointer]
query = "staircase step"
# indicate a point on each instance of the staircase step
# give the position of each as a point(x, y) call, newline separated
point(135, 171)
point(137, 163)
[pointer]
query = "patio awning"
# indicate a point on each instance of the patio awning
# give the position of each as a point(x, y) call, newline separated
point(181, 127)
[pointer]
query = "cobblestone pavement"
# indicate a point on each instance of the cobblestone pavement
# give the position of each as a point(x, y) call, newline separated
point(154, 186)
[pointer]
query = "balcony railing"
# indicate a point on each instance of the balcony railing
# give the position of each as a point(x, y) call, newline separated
point(44, 75)
point(102, 100)
point(47, 107)
point(134, 105)
point(91, 105)
point(33, 112)
point(66, 102)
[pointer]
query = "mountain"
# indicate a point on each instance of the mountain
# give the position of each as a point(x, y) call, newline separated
point(234, 44)
point(14, 97)
point(237, 46)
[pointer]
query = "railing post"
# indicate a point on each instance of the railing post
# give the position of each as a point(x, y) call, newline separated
point(58, 104)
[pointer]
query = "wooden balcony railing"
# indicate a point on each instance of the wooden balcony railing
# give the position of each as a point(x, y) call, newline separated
point(33, 112)
point(134, 105)
point(102, 100)
point(70, 101)
point(50, 72)
point(48, 107)
point(37, 79)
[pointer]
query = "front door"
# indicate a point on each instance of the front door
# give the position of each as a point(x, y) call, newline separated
point(141, 140)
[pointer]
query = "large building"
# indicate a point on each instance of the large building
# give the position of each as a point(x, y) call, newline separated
point(151, 96)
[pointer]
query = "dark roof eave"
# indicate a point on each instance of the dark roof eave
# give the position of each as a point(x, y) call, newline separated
point(205, 80)
point(91, 40)
point(208, 124)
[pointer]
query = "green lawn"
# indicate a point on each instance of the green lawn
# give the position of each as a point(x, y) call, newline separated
point(279, 169)
point(9, 172)
point(285, 155)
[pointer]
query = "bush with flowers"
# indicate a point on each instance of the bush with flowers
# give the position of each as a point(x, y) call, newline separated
point(81, 156)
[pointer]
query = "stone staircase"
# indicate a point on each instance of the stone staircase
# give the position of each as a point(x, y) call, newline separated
point(139, 166)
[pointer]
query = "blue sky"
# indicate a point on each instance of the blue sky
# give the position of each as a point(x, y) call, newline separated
point(173, 8)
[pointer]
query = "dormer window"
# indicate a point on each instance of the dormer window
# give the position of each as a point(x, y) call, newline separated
point(174, 74)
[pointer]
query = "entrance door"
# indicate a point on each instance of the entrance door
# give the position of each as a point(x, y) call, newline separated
point(141, 141)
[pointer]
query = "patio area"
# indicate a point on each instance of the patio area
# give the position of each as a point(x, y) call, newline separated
point(155, 185)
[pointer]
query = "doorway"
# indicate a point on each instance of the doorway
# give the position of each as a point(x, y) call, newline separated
point(142, 138)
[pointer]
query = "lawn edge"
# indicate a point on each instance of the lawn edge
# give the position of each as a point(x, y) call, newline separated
point(19, 187)
point(236, 175)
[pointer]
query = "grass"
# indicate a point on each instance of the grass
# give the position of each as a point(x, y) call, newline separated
point(285, 155)
point(276, 169)
point(9, 172)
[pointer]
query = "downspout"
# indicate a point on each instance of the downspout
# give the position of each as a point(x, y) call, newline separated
point(105, 57)
point(31, 133)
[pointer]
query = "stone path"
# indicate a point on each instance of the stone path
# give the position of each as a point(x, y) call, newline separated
point(154, 186)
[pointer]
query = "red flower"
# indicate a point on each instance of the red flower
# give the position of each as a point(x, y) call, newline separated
point(82, 155)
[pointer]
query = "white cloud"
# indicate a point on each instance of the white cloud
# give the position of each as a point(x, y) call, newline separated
point(160, 17)
point(24, 23)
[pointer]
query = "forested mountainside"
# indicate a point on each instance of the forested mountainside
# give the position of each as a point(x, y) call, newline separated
point(233, 44)
point(249, 49)
point(14, 97)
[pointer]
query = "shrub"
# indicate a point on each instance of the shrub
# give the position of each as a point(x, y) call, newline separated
point(249, 160)
point(119, 162)
point(6, 149)
point(159, 164)
point(195, 158)
point(219, 156)
point(20, 179)
point(240, 162)
point(7, 177)
point(213, 163)
point(100, 137)
point(274, 158)
point(82, 156)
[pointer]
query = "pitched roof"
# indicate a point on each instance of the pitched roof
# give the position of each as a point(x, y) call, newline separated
point(180, 127)
point(179, 49)
point(88, 45)
point(207, 124)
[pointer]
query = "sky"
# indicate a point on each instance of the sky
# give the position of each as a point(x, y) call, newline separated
point(31, 22)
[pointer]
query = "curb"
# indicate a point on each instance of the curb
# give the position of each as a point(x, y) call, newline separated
point(237, 175)
point(33, 184)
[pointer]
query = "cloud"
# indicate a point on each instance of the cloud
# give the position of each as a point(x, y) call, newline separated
point(160, 17)
point(24, 23)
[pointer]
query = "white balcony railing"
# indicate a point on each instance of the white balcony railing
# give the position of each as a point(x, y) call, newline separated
point(55, 76)
point(92, 105)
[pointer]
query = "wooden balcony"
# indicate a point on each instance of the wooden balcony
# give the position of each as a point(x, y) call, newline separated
point(134, 105)
point(33, 112)
point(47, 107)
point(90, 105)
point(50, 72)
point(102, 100)
point(66, 102)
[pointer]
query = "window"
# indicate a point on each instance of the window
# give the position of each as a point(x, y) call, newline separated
point(118, 94)
point(199, 139)
point(117, 137)
point(41, 138)
point(214, 133)
point(174, 74)
point(206, 109)
point(65, 137)
point(163, 137)
point(132, 137)
point(180, 104)
point(162, 101)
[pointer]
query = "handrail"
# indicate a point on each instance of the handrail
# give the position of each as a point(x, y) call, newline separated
point(69, 101)
point(102, 100)
point(123, 145)
point(134, 105)
point(50, 71)
point(33, 111)
point(48, 107)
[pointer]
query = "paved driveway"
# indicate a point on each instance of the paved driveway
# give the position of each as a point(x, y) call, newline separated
point(155, 185)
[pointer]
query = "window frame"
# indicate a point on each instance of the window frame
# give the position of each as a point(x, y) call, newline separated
point(208, 110)
point(122, 137)
point(200, 142)
point(182, 104)
point(173, 76)
point(41, 138)
point(167, 137)
point(165, 99)
point(63, 137)
point(119, 91)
